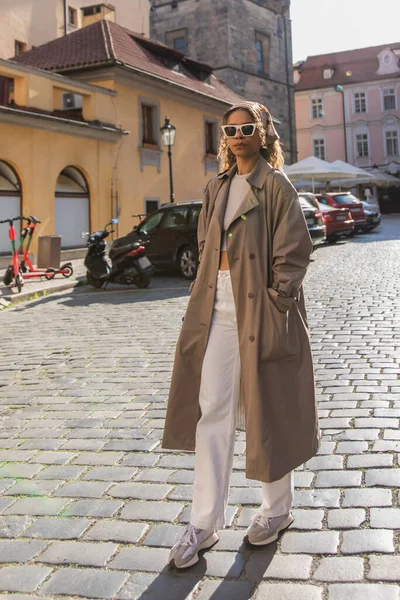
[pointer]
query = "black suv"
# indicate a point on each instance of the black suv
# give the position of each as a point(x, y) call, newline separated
point(172, 231)
point(172, 234)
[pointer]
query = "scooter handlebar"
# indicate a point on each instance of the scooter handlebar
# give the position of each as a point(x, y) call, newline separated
point(11, 219)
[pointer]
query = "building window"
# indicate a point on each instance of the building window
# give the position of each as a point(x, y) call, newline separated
point(72, 16)
point(389, 99)
point(362, 145)
point(360, 103)
point(328, 73)
point(210, 131)
point(177, 39)
point(149, 133)
point(88, 11)
point(19, 48)
point(392, 143)
point(6, 90)
point(317, 108)
point(180, 44)
point(319, 149)
point(148, 123)
point(151, 204)
point(263, 44)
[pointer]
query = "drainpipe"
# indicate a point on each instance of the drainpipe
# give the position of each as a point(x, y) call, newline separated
point(293, 156)
point(65, 17)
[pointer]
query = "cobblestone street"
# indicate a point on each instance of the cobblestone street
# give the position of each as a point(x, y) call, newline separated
point(90, 504)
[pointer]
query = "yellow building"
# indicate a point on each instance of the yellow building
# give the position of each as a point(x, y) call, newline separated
point(64, 153)
point(28, 23)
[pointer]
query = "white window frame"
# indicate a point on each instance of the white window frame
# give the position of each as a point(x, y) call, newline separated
point(362, 141)
point(150, 154)
point(316, 144)
point(317, 103)
point(214, 123)
point(388, 89)
point(72, 11)
point(328, 73)
point(210, 160)
point(358, 99)
point(395, 137)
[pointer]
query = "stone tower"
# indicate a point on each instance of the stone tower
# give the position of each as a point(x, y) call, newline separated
point(247, 42)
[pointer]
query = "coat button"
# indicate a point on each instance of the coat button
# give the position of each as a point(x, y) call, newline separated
point(251, 295)
point(251, 338)
point(251, 256)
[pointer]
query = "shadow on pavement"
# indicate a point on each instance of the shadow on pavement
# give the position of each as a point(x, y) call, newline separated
point(161, 288)
point(240, 582)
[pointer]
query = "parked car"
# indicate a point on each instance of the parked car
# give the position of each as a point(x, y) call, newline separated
point(345, 200)
point(172, 237)
point(372, 214)
point(338, 221)
point(313, 217)
point(171, 234)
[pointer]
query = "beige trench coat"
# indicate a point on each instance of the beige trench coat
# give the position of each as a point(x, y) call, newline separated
point(269, 250)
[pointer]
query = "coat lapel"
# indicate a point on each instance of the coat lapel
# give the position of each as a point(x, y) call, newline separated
point(256, 179)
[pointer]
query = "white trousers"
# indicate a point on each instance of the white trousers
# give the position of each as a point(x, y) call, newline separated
point(216, 429)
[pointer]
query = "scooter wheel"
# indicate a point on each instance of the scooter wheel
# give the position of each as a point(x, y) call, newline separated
point(8, 275)
point(96, 283)
point(142, 281)
point(19, 282)
point(50, 274)
point(66, 270)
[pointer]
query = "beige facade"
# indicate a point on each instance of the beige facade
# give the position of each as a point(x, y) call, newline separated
point(29, 23)
point(43, 147)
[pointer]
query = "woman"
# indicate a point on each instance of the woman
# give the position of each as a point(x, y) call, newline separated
point(243, 357)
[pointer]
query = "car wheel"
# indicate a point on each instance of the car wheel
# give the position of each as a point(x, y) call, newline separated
point(332, 240)
point(187, 262)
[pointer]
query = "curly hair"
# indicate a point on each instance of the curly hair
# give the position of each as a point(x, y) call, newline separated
point(272, 152)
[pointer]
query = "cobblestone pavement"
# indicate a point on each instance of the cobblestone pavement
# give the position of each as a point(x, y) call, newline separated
point(90, 503)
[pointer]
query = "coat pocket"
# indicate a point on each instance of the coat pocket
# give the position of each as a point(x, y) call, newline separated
point(280, 337)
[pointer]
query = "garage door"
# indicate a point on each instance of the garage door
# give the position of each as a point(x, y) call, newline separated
point(71, 208)
point(10, 204)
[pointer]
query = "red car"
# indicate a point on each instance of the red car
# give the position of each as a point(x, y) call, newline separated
point(348, 201)
point(338, 221)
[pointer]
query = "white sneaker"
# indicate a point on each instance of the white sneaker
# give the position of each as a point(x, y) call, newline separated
point(185, 552)
point(264, 530)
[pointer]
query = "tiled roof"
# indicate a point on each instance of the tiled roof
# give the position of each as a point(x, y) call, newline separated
point(104, 43)
point(362, 64)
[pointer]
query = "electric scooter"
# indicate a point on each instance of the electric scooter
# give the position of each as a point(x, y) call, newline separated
point(129, 265)
point(27, 268)
point(13, 271)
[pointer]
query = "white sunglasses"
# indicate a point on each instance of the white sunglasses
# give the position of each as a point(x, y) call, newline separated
point(247, 129)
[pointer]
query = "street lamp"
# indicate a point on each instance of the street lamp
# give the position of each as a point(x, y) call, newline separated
point(168, 137)
point(340, 89)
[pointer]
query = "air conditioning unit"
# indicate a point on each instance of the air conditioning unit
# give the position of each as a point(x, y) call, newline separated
point(71, 101)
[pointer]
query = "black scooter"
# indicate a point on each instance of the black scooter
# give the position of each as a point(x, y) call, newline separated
point(129, 264)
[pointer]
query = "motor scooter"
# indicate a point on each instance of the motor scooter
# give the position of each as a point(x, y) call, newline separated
point(129, 265)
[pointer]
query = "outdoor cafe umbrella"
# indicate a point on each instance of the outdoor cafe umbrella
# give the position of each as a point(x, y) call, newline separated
point(373, 177)
point(315, 169)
